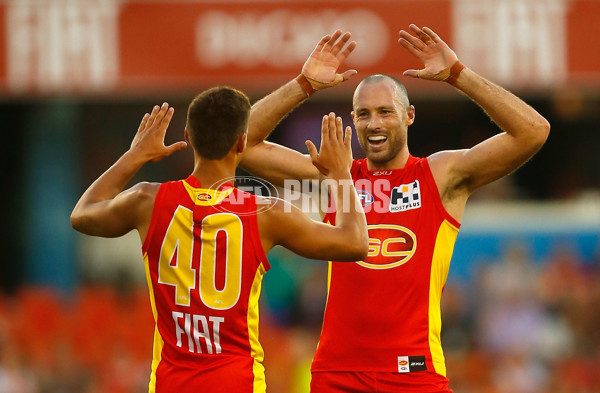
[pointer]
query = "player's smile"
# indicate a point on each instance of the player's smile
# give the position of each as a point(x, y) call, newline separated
point(377, 141)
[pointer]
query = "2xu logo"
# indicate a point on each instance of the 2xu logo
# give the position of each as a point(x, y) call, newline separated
point(389, 246)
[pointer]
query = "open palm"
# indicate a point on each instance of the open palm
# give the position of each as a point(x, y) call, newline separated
point(431, 50)
point(323, 63)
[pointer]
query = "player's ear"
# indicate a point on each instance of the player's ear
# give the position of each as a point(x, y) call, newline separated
point(411, 115)
point(186, 136)
point(241, 142)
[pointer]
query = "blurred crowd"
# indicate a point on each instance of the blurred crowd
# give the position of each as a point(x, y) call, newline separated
point(521, 326)
point(525, 327)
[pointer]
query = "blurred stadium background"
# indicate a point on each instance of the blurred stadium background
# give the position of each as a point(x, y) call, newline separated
point(521, 309)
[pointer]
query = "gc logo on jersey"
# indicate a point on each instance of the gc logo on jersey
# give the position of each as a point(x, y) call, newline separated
point(203, 196)
point(405, 197)
point(389, 246)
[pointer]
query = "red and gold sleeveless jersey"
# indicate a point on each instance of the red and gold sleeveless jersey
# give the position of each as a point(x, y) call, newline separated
point(383, 313)
point(204, 266)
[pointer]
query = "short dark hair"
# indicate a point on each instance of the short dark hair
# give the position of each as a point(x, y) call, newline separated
point(215, 119)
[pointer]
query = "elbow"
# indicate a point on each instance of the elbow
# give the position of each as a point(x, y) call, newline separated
point(76, 220)
point(542, 128)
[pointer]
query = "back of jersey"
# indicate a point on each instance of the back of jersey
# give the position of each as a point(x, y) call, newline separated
point(204, 266)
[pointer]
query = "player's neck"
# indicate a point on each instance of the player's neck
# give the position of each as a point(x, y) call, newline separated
point(397, 162)
point(214, 172)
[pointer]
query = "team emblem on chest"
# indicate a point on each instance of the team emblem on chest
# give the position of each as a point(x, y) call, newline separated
point(389, 246)
point(405, 197)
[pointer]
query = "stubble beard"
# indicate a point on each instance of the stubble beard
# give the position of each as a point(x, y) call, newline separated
point(384, 156)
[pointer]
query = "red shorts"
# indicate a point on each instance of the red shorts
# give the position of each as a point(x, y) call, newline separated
point(377, 382)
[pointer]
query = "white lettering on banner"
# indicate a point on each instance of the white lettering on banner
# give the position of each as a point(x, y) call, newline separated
point(513, 41)
point(283, 37)
point(61, 44)
point(196, 327)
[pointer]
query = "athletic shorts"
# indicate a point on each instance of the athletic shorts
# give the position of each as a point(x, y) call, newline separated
point(377, 382)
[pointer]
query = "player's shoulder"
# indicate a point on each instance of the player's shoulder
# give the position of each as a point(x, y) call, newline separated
point(445, 159)
point(143, 192)
point(273, 205)
point(275, 211)
point(146, 188)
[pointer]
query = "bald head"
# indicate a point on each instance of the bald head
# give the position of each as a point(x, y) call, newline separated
point(400, 91)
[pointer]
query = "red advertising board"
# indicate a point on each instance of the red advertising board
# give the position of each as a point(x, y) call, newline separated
point(139, 47)
point(260, 43)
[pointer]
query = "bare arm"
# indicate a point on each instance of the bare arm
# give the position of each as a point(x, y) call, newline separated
point(524, 130)
point(286, 225)
point(105, 209)
point(274, 162)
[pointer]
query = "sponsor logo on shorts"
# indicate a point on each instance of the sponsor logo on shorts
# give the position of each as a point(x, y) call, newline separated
point(408, 364)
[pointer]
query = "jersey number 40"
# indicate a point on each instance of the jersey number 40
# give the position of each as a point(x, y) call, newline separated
point(179, 244)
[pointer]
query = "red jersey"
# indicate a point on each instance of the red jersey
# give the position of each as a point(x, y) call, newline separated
point(204, 266)
point(383, 313)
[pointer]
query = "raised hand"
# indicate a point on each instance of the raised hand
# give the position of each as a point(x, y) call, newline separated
point(149, 141)
point(335, 156)
point(431, 50)
point(321, 68)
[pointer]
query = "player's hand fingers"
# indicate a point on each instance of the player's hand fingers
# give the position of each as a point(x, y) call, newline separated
point(415, 29)
point(163, 110)
point(341, 56)
point(144, 122)
point(348, 137)
point(348, 74)
point(424, 37)
point(153, 115)
point(314, 156)
point(160, 115)
point(321, 43)
point(340, 43)
point(436, 38)
point(175, 147)
point(348, 143)
point(166, 120)
point(324, 130)
point(331, 126)
point(329, 44)
point(411, 73)
point(312, 151)
point(409, 47)
point(339, 130)
point(414, 41)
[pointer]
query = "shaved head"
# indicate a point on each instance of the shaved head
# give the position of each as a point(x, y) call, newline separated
point(400, 90)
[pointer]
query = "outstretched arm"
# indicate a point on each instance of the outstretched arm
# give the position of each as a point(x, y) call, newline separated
point(104, 209)
point(286, 225)
point(320, 71)
point(524, 129)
